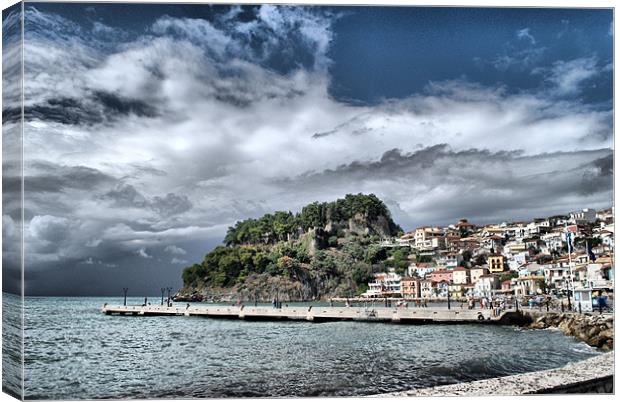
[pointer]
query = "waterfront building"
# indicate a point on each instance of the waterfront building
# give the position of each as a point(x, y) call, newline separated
point(496, 263)
point(486, 285)
point(442, 289)
point(556, 277)
point(427, 288)
point(384, 285)
point(456, 290)
point(460, 276)
point(529, 285)
point(411, 287)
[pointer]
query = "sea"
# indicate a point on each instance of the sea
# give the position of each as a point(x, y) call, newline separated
point(73, 351)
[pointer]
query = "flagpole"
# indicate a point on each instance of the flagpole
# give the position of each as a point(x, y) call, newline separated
point(570, 260)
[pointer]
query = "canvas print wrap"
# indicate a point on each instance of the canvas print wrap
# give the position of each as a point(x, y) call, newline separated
point(220, 200)
point(12, 211)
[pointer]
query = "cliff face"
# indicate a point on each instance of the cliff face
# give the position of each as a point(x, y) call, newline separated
point(317, 253)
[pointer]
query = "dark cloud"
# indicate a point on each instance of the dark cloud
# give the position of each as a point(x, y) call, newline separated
point(47, 177)
point(171, 204)
point(438, 185)
point(100, 107)
point(116, 105)
point(125, 195)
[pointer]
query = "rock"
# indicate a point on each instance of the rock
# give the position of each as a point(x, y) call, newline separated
point(592, 332)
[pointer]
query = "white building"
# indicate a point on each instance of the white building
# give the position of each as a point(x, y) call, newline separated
point(420, 269)
point(556, 277)
point(586, 215)
point(486, 285)
point(517, 260)
point(385, 285)
point(450, 260)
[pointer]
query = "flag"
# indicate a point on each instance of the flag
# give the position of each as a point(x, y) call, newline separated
point(591, 253)
point(569, 241)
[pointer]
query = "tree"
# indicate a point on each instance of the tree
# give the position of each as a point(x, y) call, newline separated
point(508, 275)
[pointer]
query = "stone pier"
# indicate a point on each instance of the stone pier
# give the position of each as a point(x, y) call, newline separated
point(321, 314)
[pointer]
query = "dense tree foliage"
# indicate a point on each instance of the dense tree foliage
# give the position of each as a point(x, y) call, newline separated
point(282, 226)
point(275, 245)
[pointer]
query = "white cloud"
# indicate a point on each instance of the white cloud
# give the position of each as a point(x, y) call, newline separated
point(172, 249)
point(143, 254)
point(525, 34)
point(568, 76)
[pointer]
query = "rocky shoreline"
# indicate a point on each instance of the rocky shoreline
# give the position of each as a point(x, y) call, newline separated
point(596, 330)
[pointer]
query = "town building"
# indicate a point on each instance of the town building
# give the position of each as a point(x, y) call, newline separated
point(456, 290)
point(586, 215)
point(529, 285)
point(411, 287)
point(427, 288)
point(486, 285)
point(495, 263)
point(441, 275)
point(420, 269)
point(476, 272)
point(384, 285)
point(460, 276)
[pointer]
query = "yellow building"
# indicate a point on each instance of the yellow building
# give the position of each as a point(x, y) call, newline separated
point(496, 263)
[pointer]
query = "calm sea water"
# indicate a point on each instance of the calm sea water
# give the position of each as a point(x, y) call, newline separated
point(75, 352)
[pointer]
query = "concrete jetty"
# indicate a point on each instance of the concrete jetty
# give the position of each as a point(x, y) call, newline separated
point(322, 314)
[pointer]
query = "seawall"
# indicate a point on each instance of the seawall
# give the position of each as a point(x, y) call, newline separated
point(594, 375)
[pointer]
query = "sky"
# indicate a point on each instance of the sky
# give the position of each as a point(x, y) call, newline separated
point(150, 129)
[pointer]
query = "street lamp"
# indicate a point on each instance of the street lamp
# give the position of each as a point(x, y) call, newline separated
point(169, 290)
point(448, 297)
point(162, 295)
point(125, 296)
